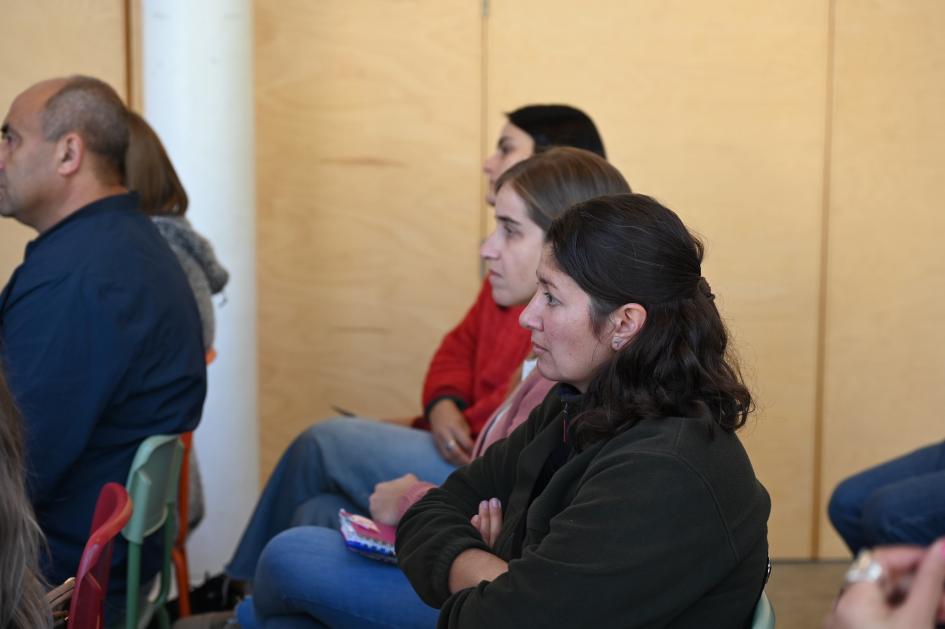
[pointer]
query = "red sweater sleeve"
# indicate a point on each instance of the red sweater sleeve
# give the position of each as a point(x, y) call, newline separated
point(476, 360)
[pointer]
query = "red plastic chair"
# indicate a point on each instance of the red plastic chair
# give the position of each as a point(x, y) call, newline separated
point(112, 512)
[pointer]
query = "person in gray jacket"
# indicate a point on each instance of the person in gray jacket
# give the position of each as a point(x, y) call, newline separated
point(150, 173)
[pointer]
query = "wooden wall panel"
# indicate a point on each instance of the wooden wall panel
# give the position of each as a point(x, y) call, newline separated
point(368, 127)
point(885, 338)
point(717, 109)
point(47, 38)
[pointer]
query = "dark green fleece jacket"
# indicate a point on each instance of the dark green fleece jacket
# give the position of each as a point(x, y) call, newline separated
point(663, 525)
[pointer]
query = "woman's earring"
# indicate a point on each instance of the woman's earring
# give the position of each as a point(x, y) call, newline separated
point(618, 344)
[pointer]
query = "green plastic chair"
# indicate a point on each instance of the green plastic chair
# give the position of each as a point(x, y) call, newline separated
point(152, 485)
point(764, 614)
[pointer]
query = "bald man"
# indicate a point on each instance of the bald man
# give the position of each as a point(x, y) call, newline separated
point(99, 332)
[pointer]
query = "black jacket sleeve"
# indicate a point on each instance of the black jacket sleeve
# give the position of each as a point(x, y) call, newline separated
point(603, 562)
point(437, 528)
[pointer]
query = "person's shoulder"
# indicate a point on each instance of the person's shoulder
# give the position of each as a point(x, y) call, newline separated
point(697, 442)
point(93, 232)
point(176, 230)
point(111, 248)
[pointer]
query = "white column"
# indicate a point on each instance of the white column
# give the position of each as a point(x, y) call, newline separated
point(198, 95)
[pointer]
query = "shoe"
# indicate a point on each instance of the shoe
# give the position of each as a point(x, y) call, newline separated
point(217, 593)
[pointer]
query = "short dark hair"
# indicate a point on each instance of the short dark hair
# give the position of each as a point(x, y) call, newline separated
point(150, 173)
point(94, 110)
point(558, 125)
point(628, 248)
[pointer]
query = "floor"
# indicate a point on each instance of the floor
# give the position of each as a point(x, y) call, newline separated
point(802, 592)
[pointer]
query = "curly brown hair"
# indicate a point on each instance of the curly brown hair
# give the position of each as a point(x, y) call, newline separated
point(22, 589)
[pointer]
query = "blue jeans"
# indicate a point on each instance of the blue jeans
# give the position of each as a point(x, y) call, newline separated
point(898, 502)
point(307, 578)
point(334, 464)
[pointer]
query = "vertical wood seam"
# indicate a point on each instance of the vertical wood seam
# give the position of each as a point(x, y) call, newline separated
point(819, 385)
point(483, 127)
point(129, 54)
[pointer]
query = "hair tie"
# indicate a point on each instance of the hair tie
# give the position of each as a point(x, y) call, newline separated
point(703, 286)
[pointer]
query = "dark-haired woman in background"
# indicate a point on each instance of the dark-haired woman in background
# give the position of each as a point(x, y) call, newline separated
point(22, 594)
point(625, 500)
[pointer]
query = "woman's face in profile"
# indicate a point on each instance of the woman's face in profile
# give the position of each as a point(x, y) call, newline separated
point(514, 145)
point(512, 250)
point(559, 317)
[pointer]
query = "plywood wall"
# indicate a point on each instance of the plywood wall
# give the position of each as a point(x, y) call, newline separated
point(368, 132)
point(718, 110)
point(885, 338)
point(47, 38)
point(802, 140)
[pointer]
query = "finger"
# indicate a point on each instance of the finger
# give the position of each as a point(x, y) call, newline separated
point(485, 522)
point(475, 522)
point(440, 440)
point(898, 560)
point(455, 454)
point(924, 597)
point(484, 511)
point(858, 602)
point(460, 457)
point(462, 436)
point(495, 520)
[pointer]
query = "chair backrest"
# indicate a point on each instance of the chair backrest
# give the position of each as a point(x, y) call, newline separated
point(112, 512)
point(764, 614)
point(152, 485)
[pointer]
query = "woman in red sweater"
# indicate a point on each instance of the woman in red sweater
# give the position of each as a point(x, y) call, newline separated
point(336, 463)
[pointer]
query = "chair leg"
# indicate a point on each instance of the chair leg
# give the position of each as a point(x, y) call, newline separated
point(134, 586)
point(160, 604)
point(179, 557)
point(179, 552)
point(170, 530)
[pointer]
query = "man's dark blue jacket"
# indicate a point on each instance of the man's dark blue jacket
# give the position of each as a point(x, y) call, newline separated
point(101, 342)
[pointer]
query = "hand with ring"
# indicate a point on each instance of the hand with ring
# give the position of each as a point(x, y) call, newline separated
point(451, 433)
point(893, 587)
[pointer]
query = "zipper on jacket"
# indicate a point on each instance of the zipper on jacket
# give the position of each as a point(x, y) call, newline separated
point(564, 423)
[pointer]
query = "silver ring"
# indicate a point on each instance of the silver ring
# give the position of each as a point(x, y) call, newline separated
point(449, 445)
point(864, 568)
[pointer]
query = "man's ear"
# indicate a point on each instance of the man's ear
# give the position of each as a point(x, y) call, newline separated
point(70, 152)
point(628, 320)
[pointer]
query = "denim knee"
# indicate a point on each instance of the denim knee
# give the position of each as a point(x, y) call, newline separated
point(845, 504)
point(885, 521)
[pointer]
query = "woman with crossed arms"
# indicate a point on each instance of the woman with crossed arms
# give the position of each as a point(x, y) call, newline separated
point(625, 499)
